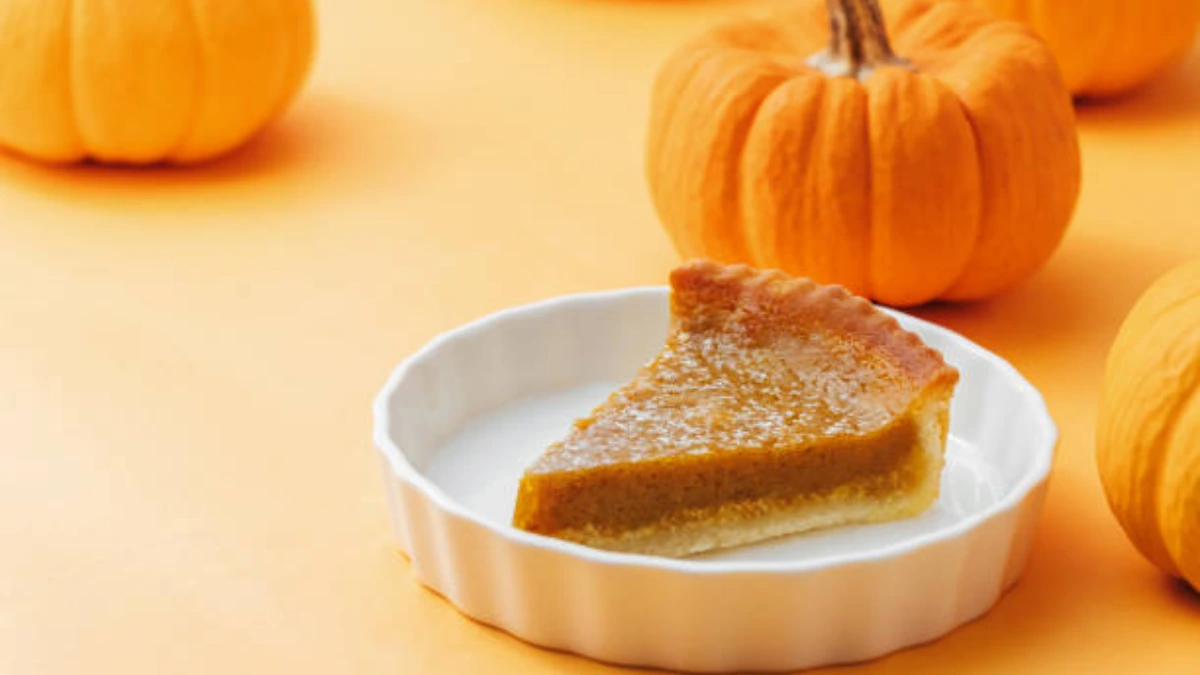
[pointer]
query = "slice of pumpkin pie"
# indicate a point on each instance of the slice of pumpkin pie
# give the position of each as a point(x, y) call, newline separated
point(777, 406)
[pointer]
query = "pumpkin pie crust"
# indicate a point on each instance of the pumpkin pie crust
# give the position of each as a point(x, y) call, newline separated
point(777, 406)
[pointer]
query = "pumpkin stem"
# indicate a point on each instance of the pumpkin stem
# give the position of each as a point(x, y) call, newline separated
point(858, 41)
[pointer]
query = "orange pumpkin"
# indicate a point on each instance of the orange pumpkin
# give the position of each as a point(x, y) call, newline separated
point(1106, 47)
point(946, 168)
point(1148, 437)
point(141, 81)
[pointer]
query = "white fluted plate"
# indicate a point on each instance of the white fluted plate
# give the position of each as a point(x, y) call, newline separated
point(458, 422)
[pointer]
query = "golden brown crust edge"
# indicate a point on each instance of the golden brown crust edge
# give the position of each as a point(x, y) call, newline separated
point(797, 299)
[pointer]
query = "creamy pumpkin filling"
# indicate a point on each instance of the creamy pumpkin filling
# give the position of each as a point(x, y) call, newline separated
point(614, 497)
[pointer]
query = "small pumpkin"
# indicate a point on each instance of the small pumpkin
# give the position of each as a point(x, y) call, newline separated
point(1107, 47)
point(1148, 434)
point(137, 81)
point(945, 168)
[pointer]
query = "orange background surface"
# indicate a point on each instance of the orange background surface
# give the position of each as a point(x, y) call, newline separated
point(187, 357)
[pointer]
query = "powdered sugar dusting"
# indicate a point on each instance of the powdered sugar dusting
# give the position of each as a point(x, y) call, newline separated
point(722, 390)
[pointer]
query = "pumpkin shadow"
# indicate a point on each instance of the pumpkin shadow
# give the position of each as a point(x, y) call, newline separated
point(1182, 594)
point(1069, 311)
point(1173, 96)
point(326, 146)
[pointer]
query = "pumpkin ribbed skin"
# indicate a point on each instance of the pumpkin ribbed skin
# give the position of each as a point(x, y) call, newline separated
point(955, 181)
point(1148, 436)
point(1106, 47)
point(130, 81)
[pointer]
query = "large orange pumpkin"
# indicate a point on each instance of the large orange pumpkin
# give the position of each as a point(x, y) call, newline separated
point(947, 168)
point(1148, 438)
point(1108, 46)
point(141, 81)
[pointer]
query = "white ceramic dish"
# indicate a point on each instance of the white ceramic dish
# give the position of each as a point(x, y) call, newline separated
point(457, 423)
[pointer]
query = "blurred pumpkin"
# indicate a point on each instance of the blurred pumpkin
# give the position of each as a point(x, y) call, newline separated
point(947, 168)
point(1106, 47)
point(1148, 436)
point(143, 81)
